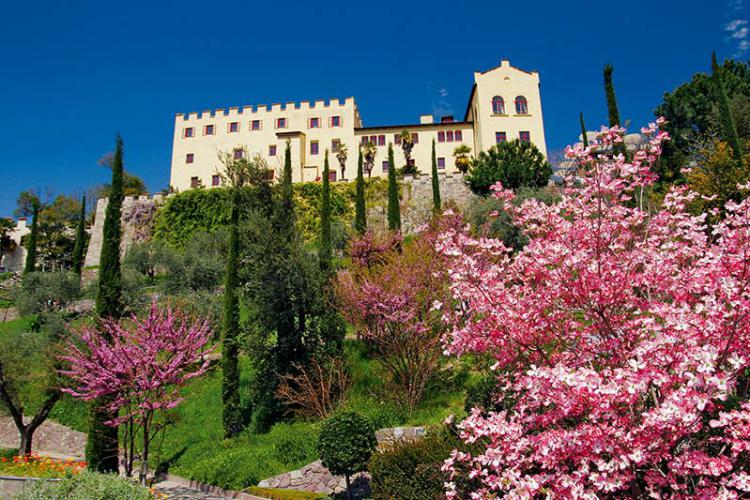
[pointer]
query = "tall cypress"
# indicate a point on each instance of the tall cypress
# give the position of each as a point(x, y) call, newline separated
point(30, 265)
point(230, 383)
point(101, 447)
point(325, 219)
point(726, 120)
point(287, 197)
point(394, 210)
point(436, 204)
point(612, 111)
point(360, 215)
point(78, 248)
point(584, 137)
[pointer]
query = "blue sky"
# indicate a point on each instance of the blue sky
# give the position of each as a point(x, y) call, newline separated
point(74, 73)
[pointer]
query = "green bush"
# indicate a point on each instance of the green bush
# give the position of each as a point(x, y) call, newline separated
point(346, 442)
point(277, 494)
point(513, 163)
point(410, 470)
point(42, 292)
point(87, 486)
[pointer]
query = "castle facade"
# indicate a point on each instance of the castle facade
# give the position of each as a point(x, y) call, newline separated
point(504, 104)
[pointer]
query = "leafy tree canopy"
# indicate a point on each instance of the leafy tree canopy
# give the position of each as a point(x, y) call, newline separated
point(512, 163)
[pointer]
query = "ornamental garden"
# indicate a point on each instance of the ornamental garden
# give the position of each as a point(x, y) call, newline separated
point(587, 337)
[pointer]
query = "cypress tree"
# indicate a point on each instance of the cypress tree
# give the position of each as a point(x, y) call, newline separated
point(436, 204)
point(584, 137)
point(101, 447)
point(78, 249)
point(394, 210)
point(612, 111)
point(230, 383)
point(609, 90)
point(30, 265)
point(286, 221)
point(360, 216)
point(325, 219)
point(726, 120)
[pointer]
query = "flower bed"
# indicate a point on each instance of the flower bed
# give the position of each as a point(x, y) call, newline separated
point(40, 467)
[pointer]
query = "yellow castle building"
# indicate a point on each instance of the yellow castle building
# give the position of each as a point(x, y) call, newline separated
point(504, 104)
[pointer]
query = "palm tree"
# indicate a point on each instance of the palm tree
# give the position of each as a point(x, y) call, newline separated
point(407, 144)
point(368, 154)
point(341, 155)
point(461, 153)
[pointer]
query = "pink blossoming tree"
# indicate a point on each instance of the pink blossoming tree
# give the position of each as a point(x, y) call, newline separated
point(139, 365)
point(621, 339)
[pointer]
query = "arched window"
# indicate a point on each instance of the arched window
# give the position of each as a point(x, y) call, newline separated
point(498, 105)
point(522, 107)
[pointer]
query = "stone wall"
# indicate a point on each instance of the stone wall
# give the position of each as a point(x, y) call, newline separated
point(137, 221)
point(416, 208)
point(416, 201)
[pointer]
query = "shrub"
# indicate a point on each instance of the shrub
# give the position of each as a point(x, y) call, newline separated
point(44, 292)
point(513, 163)
point(410, 470)
point(315, 390)
point(87, 486)
point(346, 443)
point(277, 494)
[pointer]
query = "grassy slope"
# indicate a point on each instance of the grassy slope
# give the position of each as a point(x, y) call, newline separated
point(193, 447)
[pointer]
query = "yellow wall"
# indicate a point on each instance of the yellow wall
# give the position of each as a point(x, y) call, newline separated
point(478, 133)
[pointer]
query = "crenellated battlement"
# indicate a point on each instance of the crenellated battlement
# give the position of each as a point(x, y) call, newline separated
point(265, 109)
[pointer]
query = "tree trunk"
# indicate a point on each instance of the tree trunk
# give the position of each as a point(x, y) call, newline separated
point(348, 488)
point(27, 434)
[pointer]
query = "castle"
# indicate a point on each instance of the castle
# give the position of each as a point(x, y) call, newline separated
point(504, 104)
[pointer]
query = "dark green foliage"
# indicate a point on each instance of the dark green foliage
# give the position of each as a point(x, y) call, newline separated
point(102, 443)
point(109, 294)
point(584, 136)
point(325, 219)
point(514, 164)
point(609, 89)
point(230, 389)
point(726, 120)
point(501, 226)
point(30, 265)
point(346, 443)
point(360, 217)
point(482, 394)
point(436, 204)
point(45, 292)
point(79, 248)
point(411, 470)
point(693, 115)
point(394, 210)
point(285, 216)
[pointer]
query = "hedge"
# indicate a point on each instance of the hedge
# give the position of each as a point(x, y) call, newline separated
point(207, 209)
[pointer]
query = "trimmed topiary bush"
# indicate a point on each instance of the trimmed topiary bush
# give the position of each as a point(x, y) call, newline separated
point(346, 443)
point(87, 486)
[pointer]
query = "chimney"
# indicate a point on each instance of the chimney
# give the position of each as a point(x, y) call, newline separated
point(446, 119)
point(426, 119)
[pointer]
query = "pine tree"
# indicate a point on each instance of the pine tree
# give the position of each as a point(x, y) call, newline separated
point(80, 244)
point(230, 384)
point(325, 219)
point(584, 136)
point(394, 210)
point(101, 447)
point(360, 216)
point(726, 120)
point(30, 265)
point(436, 204)
point(613, 112)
